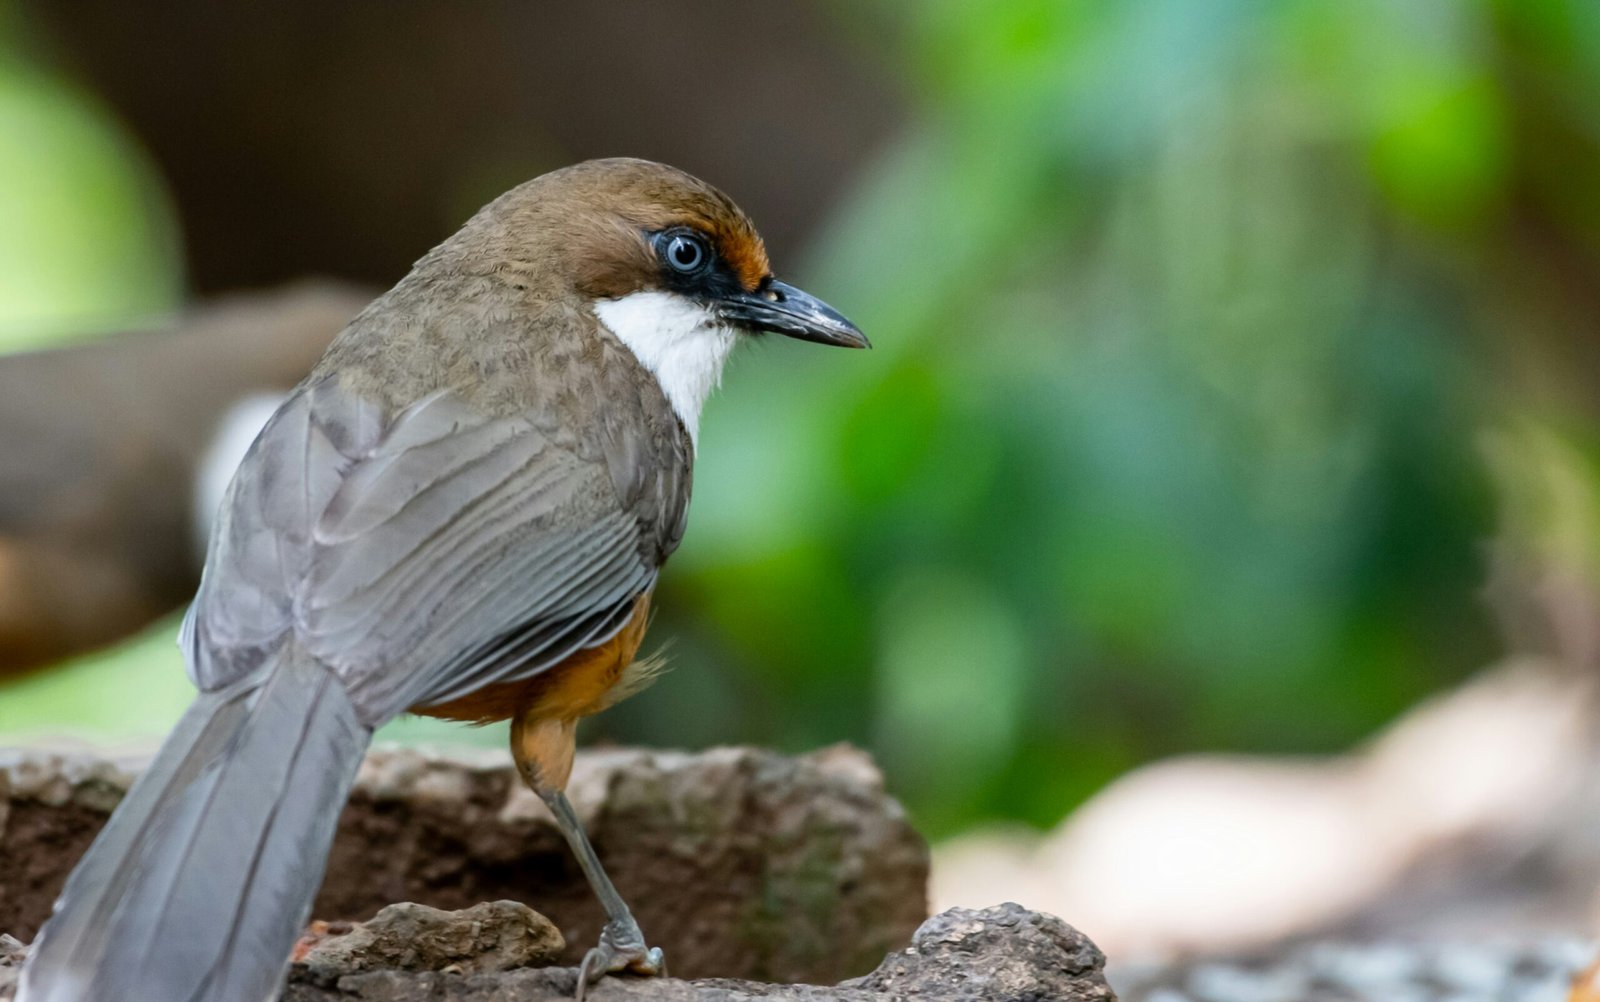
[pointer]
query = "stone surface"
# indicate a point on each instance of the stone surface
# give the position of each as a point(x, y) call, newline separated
point(738, 862)
point(12, 953)
point(492, 936)
point(1004, 952)
point(1000, 954)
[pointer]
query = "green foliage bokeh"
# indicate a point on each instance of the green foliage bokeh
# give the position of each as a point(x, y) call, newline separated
point(1188, 323)
point(1170, 438)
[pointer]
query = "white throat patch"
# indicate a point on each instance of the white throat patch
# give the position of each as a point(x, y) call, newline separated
point(678, 340)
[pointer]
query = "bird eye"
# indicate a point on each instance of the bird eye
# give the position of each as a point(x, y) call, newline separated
point(685, 253)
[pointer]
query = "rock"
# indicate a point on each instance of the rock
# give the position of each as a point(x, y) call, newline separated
point(493, 936)
point(738, 862)
point(1004, 952)
point(12, 953)
point(1001, 954)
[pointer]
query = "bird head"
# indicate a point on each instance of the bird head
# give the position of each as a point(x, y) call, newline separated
point(669, 265)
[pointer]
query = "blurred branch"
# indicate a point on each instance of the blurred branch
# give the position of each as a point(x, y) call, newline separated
point(102, 446)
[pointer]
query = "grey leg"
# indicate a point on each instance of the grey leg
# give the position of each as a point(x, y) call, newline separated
point(622, 945)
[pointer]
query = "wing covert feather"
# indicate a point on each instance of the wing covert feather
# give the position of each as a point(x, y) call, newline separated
point(419, 558)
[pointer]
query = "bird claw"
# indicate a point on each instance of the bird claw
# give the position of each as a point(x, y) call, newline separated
point(621, 948)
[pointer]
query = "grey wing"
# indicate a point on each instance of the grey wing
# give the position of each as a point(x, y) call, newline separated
point(421, 556)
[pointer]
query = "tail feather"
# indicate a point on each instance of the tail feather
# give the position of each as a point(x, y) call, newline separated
point(199, 884)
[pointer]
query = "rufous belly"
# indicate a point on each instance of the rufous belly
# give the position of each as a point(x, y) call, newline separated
point(576, 687)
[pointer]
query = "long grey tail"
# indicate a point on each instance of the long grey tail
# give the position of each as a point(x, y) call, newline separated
point(199, 884)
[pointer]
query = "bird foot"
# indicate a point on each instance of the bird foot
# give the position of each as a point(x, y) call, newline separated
point(621, 948)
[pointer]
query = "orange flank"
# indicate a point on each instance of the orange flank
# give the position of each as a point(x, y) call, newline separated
point(579, 686)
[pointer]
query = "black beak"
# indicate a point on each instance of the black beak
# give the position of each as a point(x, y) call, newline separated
point(782, 309)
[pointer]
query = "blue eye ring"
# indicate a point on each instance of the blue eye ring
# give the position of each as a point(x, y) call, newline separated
point(684, 252)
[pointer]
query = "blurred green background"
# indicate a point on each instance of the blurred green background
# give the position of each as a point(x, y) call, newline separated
point(1215, 342)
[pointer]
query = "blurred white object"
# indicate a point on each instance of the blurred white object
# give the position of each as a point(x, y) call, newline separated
point(235, 433)
point(1426, 831)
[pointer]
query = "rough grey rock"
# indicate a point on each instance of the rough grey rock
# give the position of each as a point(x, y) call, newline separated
point(738, 862)
point(493, 936)
point(1000, 954)
point(12, 953)
point(1004, 952)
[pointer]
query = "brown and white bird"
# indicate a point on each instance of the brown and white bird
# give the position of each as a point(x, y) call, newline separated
point(461, 512)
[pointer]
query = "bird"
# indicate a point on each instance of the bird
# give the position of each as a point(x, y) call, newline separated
point(462, 511)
